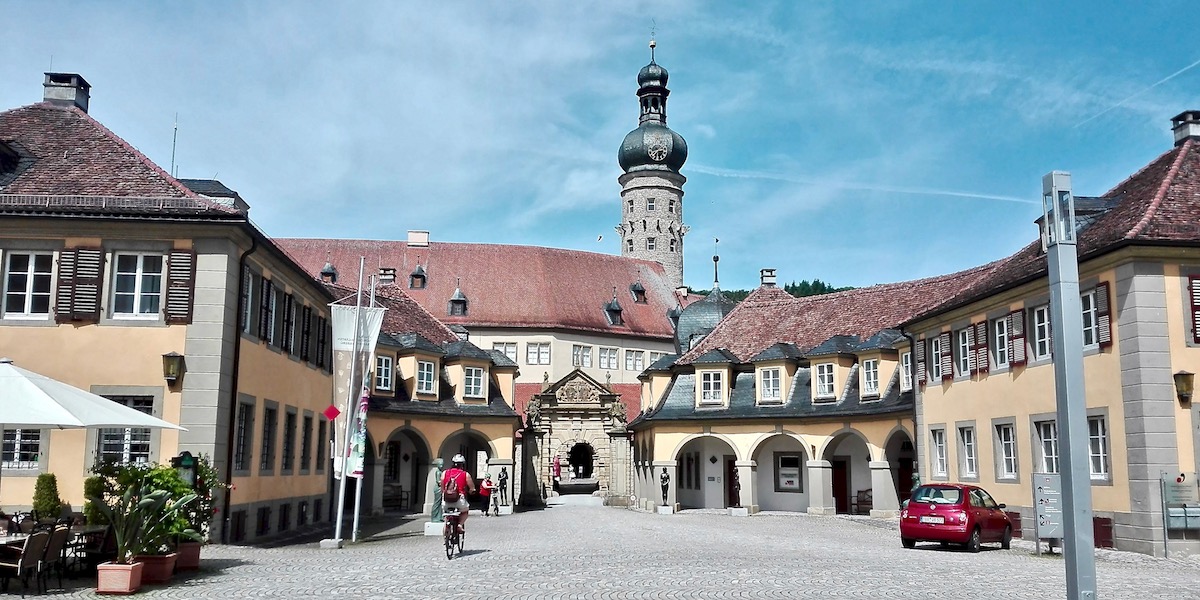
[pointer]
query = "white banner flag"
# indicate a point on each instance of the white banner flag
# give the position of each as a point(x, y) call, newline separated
point(370, 321)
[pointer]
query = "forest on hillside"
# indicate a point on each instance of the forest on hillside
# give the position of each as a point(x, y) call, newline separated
point(798, 289)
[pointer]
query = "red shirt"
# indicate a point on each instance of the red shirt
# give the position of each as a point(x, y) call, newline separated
point(460, 477)
point(485, 490)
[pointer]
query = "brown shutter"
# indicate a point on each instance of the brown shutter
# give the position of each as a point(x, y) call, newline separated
point(264, 309)
point(982, 357)
point(181, 285)
point(972, 364)
point(322, 341)
point(947, 361)
point(65, 289)
point(89, 281)
point(1103, 315)
point(1016, 338)
point(1194, 288)
point(919, 356)
point(285, 343)
point(306, 333)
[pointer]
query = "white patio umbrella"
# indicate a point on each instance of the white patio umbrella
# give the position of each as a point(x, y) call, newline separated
point(33, 401)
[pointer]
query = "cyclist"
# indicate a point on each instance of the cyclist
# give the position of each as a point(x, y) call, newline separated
point(464, 484)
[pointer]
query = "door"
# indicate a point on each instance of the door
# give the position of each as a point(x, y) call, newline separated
point(904, 471)
point(732, 493)
point(841, 484)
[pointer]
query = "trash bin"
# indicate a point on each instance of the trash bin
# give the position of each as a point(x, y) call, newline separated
point(1102, 532)
point(1015, 517)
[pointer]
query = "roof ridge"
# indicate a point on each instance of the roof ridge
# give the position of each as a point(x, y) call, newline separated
point(1162, 191)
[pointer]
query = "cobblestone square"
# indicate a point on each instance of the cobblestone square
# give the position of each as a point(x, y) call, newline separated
point(594, 552)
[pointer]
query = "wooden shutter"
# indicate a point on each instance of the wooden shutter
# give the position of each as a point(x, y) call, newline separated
point(264, 308)
point(1194, 289)
point(972, 364)
point(982, 357)
point(919, 355)
point(89, 281)
point(181, 285)
point(1103, 315)
point(289, 324)
point(306, 334)
point(322, 341)
point(947, 358)
point(1016, 338)
point(65, 290)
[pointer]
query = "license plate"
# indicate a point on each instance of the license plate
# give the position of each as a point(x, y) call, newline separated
point(933, 519)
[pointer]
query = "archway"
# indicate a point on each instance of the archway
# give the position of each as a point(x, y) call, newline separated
point(406, 464)
point(850, 459)
point(780, 480)
point(901, 458)
point(704, 468)
point(474, 447)
point(580, 459)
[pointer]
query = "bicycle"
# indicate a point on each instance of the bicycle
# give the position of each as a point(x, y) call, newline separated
point(495, 505)
point(450, 534)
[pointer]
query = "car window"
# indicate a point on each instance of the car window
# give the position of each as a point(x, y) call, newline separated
point(988, 501)
point(976, 500)
point(937, 495)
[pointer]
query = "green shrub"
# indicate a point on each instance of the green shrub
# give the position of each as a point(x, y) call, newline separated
point(46, 502)
point(93, 487)
point(200, 513)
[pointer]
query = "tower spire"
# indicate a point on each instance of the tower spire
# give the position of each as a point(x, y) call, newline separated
point(716, 278)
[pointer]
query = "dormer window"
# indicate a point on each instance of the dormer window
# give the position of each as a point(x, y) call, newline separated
point(416, 279)
point(458, 304)
point(329, 273)
point(613, 311)
point(473, 378)
point(639, 292)
point(712, 390)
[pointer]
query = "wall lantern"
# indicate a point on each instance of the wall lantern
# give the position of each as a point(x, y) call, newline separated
point(1183, 386)
point(172, 366)
point(185, 464)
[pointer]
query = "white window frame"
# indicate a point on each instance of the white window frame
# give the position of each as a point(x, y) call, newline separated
point(906, 371)
point(938, 441)
point(649, 203)
point(970, 458)
point(999, 333)
point(635, 360)
point(473, 382)
point(870, 381)
point(1091, 329)
point(426, 376)
point(629, 244)
point(608, 358)
point(935, 355)
point(32, 276)
point(383, 372)
point(962, 360)
point(656, 356)
point(537, 353)
point(651, 243)
point(825, 388)
point(129, 436)
point(672, 244)
point(141, 278)
point(508, 349)
point(1047, 435)
point(712, 389)
point(247, 297)
point(1006, 438)
point(581, 355)
point(769, 383)
point(1098, 448)
point(1041, 332)
point(22, 436)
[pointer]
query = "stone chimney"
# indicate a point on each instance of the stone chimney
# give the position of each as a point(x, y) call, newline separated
point(766, 277)
point(67, 89)
point(1186, 125)
point(418, 239)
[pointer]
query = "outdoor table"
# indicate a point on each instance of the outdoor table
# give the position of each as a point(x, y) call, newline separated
point(14, 539)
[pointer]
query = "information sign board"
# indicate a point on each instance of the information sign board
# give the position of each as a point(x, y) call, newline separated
point(1047, 502)
point(1180, 489)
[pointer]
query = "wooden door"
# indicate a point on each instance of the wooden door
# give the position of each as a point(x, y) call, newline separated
point(731, 493)
point(841, 484)
point(904, 471)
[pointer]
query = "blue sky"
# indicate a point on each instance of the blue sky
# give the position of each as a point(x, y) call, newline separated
point(854, 142)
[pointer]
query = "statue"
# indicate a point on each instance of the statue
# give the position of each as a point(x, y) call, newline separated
point(502, 481)
point(916, 482)
point(533, 412)
point(435, 512)
point(665, 479)
point(737, 490)
point(616, 412)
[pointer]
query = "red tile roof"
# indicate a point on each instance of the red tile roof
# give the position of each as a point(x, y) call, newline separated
point(630, 393)
point(403, 316)
point(770, 315)
point(510, 286)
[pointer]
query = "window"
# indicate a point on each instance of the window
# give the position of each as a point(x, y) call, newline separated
point(241, 449)
point(22, 449)
point(288, 340)
point(1041, 332)
point(635, 360)
point(1090, 330)
point(672, 244)
point(383, 372)
point(825, 380)
point(27, 278)
point(473, 382)
point(270, 420)
point(537, 353)
point(935, 364)
point(424, 377)
point(656, 356)
point(964, 351)
point(939, 451)
point(237, 526)
point(788, 474)
point(581, 356)
point(650, 242)
point(1000, 347)
point(906, 371)
point(247, 297)
point(630, 204)
point(629, 244)
point(608, 358)
point(1007, 440)
point(769, 384)
point(710, 387)
point(322, 453)
point(671, 205)
point(263, 527)
point(1048, 443)
point(289, 441)
point(508, 348)
point(966, 439)
point(306, 444)
point(285, 517)
point(649, 203)
point(128, 444)
point(272, 310)
point(870, 383)
point(1098, 447)
point(137, 290)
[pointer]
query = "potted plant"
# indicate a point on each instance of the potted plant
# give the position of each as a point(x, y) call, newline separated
point(199, 514)
point(161, 535)
point(136, 516)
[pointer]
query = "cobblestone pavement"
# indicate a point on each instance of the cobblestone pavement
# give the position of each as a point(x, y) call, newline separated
point(588, 552)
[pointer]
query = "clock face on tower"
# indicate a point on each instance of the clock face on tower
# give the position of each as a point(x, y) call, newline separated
point(657, 150)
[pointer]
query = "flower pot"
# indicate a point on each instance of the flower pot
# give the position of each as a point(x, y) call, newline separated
point(188, 556)
point(158, 567)
point(115, 578)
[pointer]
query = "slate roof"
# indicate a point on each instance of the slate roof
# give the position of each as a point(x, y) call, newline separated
point(779, 351)
point(464, 349)
point(509, 285)
point(838, 344)
point(501, 359)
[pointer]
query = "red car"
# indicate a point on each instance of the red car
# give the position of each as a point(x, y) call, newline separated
point(954, 513)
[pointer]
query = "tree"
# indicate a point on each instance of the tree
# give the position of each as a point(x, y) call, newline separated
point(46, 501)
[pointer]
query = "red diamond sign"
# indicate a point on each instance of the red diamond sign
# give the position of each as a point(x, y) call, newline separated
point(332, 412)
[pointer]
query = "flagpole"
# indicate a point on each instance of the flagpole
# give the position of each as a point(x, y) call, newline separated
point(366, 390)
point(350, 416)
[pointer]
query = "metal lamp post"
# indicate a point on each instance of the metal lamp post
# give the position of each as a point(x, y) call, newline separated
point(1066, 318)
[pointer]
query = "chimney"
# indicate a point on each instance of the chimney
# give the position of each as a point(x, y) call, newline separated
point(418, 239)
point(1186, 125)
point(67, 89)
point(766, 277)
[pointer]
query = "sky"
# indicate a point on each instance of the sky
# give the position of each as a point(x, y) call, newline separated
point(851, 142)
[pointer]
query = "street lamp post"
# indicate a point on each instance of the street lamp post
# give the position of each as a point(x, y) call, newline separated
point(1058, 212)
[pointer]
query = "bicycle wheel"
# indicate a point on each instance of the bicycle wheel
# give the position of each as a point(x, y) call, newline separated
point(462, 537)
point(448, 537)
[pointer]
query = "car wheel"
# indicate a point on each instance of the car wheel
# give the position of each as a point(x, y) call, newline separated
point(973, 543)
point(908, 542)
point(1006, 540)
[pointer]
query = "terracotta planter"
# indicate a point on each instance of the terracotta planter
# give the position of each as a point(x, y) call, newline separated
point(188, 558)
point(114, 578)
point(158, 567)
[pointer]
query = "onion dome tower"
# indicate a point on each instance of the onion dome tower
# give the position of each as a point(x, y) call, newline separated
point(651, 187)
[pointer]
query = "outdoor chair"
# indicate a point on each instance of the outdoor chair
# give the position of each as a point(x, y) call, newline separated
point(99, 549)
point(56, 549)
point(23, 563)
